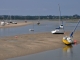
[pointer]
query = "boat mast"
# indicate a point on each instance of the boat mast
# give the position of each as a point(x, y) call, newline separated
point(9, 16)
point(59, 15)
point(38, 20)
point(71, 35)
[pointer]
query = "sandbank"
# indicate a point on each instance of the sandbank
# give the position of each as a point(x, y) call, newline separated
point(21, 45)
point(19, 23)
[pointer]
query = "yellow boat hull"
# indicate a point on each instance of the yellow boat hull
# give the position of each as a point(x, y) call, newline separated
point(66, 42)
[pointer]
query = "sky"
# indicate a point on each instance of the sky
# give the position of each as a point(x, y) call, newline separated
point(39, 7)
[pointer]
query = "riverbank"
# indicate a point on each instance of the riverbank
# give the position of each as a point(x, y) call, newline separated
point(20, 45)
point(19, 23)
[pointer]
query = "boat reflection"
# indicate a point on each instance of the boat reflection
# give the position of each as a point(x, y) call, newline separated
point(67, 48)
point(68, 52)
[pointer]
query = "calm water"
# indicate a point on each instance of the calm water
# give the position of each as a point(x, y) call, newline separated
point(43, 27)
point(65, 53)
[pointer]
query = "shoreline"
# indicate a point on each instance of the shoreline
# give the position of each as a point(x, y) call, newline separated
point(22, 23)
point(16, 25)
point(27, 44)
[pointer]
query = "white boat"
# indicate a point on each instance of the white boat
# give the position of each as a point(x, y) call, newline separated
point(2, 23)
point(61, 26)
point(7, 23)
point(14, 22)
point(31, 29)
point(60, 29)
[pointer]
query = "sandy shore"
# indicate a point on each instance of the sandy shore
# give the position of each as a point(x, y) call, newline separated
point(31, 43)
point(19, 23)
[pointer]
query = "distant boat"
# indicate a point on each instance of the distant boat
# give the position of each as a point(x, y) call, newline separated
point(3, 22)
point(33, 28)
point(68, 40)
point(10, 20)
point(14, 21)
point(38, 23)
point(60, 29)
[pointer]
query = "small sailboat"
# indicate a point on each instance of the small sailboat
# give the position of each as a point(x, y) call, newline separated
point(60, 29)
point(10, 19)
point(38, 23)
point(14, 21)
point(33, 28)
point(7, 21)
point(3, 22)
point(68, 40)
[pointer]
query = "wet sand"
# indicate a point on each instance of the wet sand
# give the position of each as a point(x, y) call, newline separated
point(20, 45)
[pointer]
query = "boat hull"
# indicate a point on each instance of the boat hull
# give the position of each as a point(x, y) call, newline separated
point(38, 23)
point(58, 31)
point(31, 29)
point(66, 42)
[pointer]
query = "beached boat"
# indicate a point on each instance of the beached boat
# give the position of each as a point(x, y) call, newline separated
point(60, 29)
point(68, 40)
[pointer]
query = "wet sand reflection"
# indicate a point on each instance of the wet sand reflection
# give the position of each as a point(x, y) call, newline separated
point(68, 52)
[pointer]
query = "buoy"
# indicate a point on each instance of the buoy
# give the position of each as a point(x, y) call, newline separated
point(64, 32)
point(16, 36)
point(75, 41)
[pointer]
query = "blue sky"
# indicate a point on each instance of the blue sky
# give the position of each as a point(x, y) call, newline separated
point(39, 7)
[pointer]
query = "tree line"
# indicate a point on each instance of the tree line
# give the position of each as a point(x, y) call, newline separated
point(17, 17)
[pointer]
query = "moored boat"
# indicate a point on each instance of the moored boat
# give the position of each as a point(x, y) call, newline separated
point(60, 29)
point(68, 40)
